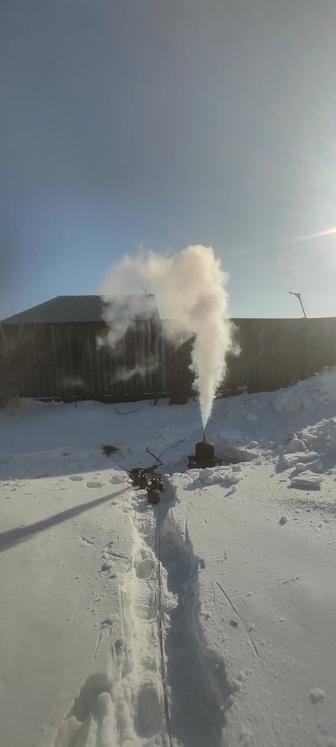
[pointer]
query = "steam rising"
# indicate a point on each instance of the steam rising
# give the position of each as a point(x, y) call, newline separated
point(120, 312)
point(191, 289)
point(125, 374)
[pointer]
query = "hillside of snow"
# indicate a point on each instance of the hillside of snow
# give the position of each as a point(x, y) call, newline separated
point(205, 621)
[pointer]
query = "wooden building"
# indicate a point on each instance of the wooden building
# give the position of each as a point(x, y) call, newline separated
point(59, 349)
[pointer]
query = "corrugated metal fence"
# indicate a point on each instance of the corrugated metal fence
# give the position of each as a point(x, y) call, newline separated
point(67, 361)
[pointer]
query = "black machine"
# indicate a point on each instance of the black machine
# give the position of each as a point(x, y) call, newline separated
point(204, 456)
point(145, 479)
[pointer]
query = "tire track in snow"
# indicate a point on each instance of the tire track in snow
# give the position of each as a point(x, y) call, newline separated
point(269, 589)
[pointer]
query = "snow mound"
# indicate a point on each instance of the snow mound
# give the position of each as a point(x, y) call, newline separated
point(322, 437)
point(317, 450)
point(118, 477)
point(223, 476)
point(306, 481)
point(234, 455)
point(317, 695)
point(219, 476)
point(320, 389)
point(286, 461)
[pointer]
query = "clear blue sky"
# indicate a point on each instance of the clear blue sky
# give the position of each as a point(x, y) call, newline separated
point(162, 123)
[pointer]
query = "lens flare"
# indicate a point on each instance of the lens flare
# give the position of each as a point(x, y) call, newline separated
point(312, 236)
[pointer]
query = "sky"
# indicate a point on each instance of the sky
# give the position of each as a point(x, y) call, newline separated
point(155, 124)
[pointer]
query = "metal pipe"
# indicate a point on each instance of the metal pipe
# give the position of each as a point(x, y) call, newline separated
point(302, 306)
point(299, 297)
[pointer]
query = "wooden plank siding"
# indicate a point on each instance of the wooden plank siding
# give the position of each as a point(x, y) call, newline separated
point(65, 361)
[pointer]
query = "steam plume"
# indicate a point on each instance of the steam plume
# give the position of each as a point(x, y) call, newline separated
point(125, 374)
point(120, 312)
point(191, 288)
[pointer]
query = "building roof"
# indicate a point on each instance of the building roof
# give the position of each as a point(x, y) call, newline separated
point(85, 309)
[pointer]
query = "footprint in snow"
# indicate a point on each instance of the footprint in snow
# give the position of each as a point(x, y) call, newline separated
point(149, 718)
point(144, 567)
point(87, 541)
point(94, 484)
point(75, 478)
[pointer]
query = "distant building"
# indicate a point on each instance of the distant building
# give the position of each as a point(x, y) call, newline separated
point(58, 349)
point(68, 309)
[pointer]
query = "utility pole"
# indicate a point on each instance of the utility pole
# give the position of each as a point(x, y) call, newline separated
point(298, 295)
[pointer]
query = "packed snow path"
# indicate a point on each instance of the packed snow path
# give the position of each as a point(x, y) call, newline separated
point(206, 620)
point(157, 688)
point(124, 703)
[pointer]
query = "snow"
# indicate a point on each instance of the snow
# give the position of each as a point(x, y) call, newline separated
point(207, 620)
point(306, 481)
point(276, 582)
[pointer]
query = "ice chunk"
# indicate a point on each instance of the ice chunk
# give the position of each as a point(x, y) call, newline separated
point(316, 695)
point(290, 460)
point(306, 481)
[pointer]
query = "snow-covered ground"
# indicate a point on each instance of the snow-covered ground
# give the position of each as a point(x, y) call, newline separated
point(206, 621)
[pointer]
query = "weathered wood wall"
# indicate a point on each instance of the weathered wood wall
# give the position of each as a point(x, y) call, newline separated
point(278, 352)
point(65, 361)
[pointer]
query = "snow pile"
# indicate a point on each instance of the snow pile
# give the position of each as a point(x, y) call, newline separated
point(317, 391)
point(306, 480)
point(223, 476)
point(286, 461)
point(322, 437)
point(294, 428)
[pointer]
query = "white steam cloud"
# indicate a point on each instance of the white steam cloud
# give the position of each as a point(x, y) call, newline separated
point(191, 289)
point(125, 374)
point(120, 312)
